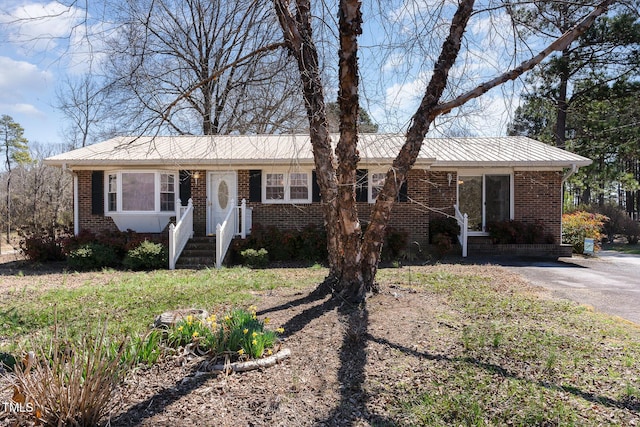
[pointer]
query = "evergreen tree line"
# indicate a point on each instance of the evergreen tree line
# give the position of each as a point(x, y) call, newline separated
point(585, 99)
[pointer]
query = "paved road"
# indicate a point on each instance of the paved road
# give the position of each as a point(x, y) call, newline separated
point(609, 282)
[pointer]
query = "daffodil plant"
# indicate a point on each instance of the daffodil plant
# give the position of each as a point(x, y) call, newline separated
point(238, 333)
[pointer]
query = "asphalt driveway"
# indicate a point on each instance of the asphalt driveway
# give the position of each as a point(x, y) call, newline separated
point(609, 282)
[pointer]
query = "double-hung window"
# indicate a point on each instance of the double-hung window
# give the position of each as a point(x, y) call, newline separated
point(141, 191)
point(286, 187)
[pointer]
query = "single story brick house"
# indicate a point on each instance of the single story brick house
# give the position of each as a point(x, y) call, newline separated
point(144, 183)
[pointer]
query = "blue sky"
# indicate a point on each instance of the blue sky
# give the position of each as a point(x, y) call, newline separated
point(37, 55)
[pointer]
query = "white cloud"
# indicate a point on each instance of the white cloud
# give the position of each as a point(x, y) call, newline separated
point(40, 26)
point(20, 77)
point(22, 109)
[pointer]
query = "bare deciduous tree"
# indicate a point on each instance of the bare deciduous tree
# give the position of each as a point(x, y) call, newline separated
point(82, 101)
point(214, 56)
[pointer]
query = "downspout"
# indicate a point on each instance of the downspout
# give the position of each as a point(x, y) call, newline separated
point(568, 174)
point(76, 207)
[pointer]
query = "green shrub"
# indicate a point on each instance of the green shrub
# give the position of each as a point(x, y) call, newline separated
point(146, 256)
point(312, 244)
point(255, 258)
point(119, 241)
point(580, 225)
point(92, 256)
point(308, 244)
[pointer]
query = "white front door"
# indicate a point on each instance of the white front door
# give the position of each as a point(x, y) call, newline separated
point(221, 197)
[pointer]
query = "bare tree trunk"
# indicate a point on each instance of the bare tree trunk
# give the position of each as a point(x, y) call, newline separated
point(420, 123)
point(560, 131)
point(351, 282)
point(298, 37)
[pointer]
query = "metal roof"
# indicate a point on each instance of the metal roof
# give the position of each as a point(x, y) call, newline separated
point(259, 150)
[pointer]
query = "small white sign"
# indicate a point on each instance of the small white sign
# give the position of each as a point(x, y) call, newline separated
point(588, 247)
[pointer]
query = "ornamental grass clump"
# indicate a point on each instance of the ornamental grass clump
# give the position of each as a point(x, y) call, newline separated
point(237, 335)
point(70, 381)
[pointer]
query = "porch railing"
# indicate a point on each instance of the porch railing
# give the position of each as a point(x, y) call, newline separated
point(225, 233)
point(463, 221)
point(180, 233)
point(242, 216)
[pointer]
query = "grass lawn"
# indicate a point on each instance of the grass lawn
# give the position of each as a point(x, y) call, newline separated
point(130, 301)
point(461, 345)
point(622, 247)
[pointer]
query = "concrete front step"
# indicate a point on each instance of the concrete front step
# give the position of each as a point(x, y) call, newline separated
point(199, 252)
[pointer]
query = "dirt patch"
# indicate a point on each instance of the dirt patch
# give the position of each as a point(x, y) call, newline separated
point(342, 358)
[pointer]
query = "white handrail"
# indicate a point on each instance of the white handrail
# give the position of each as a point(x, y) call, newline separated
point(245, 219)
point(225, 233)
point(463, 221)
point(180, 233)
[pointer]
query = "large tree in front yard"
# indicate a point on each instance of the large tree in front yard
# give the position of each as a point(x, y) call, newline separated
point(354, 256)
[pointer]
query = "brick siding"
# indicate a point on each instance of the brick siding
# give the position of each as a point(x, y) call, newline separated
point(89, 221)
point(537, 197)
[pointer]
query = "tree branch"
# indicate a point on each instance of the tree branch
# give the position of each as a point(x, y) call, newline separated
point(218, 73)
point(558, 45)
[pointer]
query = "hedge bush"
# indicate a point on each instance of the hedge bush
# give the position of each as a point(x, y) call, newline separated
point(146, 256)
point(618, 223)
point(47, 245)
point(510, 232)
point(255, 258)
point(93, 256)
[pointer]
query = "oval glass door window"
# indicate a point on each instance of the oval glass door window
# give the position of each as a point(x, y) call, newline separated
point(223, 194)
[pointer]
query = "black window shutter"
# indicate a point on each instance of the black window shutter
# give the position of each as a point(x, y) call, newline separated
point(362, 185)
point(97, 192)
point(185, 187)
point(255, 185)
point(315, 188)
point(403, 194)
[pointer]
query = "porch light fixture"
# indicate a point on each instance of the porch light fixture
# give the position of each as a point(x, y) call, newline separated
point(196, 176)
point(449, 178)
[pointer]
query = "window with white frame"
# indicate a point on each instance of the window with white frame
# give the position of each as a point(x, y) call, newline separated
point(286, 187)
point(141, 191)
point(167, 192)
point(274, 186)
point(112, 193)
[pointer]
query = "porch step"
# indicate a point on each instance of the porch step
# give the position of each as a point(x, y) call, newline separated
point(200, 252)
point(479, 240)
